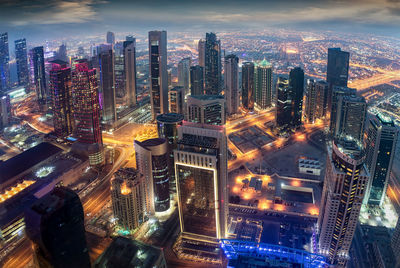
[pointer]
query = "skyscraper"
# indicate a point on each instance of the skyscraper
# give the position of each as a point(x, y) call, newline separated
point(61, 88)
point(21, 57)
point(167, 128)
point(176, 100)
point(380, 144)
point(337, 71)
point(232, 84)
point(212, 65)
point(4, 60)
point(158, 72)
point(5, 111)
point(196, 80)
point(130, 70)
point(263, 84)
point(201, 48)
point(296, 84)
point(110, 38)
point(350, 121)
point(86, 103)
point(39, 74)
point(152, 161)
point(119, 72)
point(206, 109)
point(345, 183)
point(248, 85)
point(107, 85)
point(55, 225)
point(283, 104)
point(62, 53)
point(128, 196)
point(184, 75)
point(338, 93)
point(201, 174)
point(315, 95)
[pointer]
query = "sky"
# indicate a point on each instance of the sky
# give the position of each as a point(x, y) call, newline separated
point(52, 19)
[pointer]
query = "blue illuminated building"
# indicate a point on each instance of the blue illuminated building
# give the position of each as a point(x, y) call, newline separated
point(251, 254)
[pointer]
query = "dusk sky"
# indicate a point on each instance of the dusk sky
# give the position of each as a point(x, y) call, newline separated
point(38, 19)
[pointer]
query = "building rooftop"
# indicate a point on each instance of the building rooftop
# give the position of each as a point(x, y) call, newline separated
point(207, 97)
point(124, 252)
point(26, 160)
point(151, 142)
point(170, 118)
point(201, 141)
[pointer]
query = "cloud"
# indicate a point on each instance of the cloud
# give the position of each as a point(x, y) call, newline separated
point(40, 12)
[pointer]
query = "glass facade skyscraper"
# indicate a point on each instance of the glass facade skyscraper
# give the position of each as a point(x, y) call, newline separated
point(107, 84)
point(39, 74)
point(296, 84)
point(61, 88)
point(4, 63)
point(158, 72)
point(196, 80)
point(21, 57)
point(86, 103)
point(232, 84)
point(248, 93)
point(380, 145)
point(212, 65)
point(263, 84)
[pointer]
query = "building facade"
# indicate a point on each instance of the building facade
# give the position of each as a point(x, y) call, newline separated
point(345, 184)
point(128, 196)
point(232, 84)
point(196, 80)
point(184, 75)
point(176, 100)
point(248, 93)
point(296, 84)
point(212, 65)
point(39, 74)
point(380, 144)
point(86, 103)
point(158, 72)
point(152, 161)
point(55, 225)
point(61, 88)
point(4, 63)
point(107, 84)
point(21, 57)
point(263, 85)
point(206, 109)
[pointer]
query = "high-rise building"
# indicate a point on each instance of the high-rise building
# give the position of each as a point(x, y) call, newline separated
point(110, 38)
point(315, 95)
point(184, 75)
point(263, 84)
point(201, 48)
point(212, 65)
point(196, 80)
point(337, 95)
point(130, 70)
point(86, 103)
point(158, 72)
point(395, 243)
point(21, 57)
point(128, 253)
point(61, 88)
point(55, 225)
point(5, 111)
point(107, 84)
point(296, 84)
point(248, 86)
point(201, 174)
point(4, 63)
point(337, 71)
point(130, 38)
point(176, 100)
point(152, 161)
point(128, 196)
point(62, 53)
point(350, 119)
point(380, 145)
point(345, 184)
point(167, 128)
point(232, 84)
point(119, 71)
point(206, 109)
point(283, 104)
point(39, 74)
